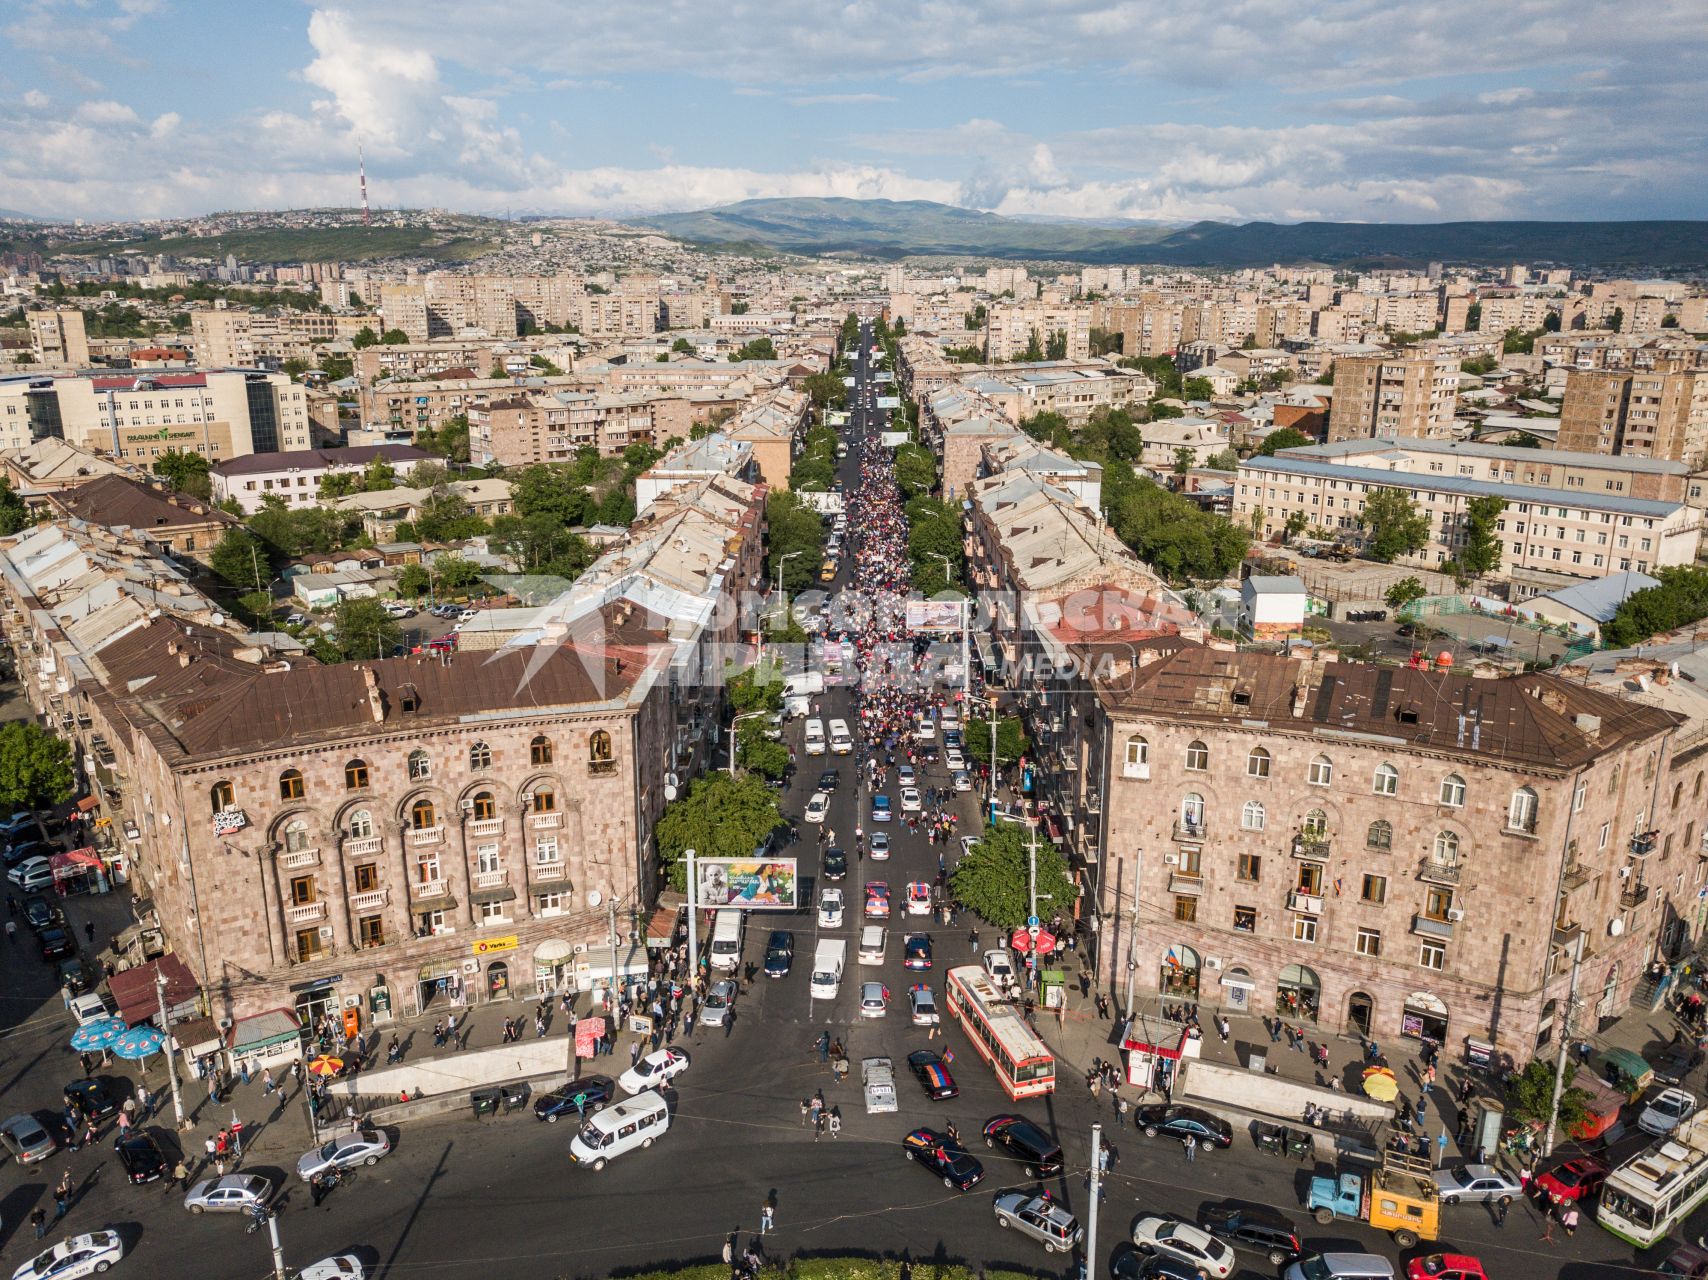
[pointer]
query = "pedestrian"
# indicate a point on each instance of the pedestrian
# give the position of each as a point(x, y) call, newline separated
point(267, 1085)
point(1223, 1029)
point(1103, 1006)
point(1191, 1145)
point(180, 1176)
point(729, 1022)
point(836, 1122)
point(539, 1026)
point(439, 1034)
point(12, 932)
point(806, 1110)
point(973, 941)
point(824, 1046)
point(1429, 1077)
point(222, 1149)
point(729, 1252)
point(38, 1220)
point(1273, 1027)
point(1569, 1220)
point(767, 1214)
point(1120, 1112)
point(451, 1030)
point(208, 1147)
point(89, 930)
point(1500, 1212)
point(62, 1193)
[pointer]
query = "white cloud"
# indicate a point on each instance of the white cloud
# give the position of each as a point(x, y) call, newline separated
point(35, 99)
point(385, 92)
point(106, 113)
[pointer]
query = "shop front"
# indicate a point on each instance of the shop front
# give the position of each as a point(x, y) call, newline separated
point(1360, 1013)
point(1424, 1018)
point(79, 871)
point(1237, 987)
point(263, 1040)
point(1298, 994)
point(494, 957)
point(554, 967)
point(440, 984)
point(314, 1000)
point(1179, 974)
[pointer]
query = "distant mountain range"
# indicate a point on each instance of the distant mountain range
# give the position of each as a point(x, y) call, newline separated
point(894, 229)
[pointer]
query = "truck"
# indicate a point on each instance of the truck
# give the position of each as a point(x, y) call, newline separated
point(1398, 1197)
point(827, 962)
point(878, 1079)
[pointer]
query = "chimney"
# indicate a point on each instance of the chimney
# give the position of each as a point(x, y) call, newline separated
point(1306, 679)
point(184, 659)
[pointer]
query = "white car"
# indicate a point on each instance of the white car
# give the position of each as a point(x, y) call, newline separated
point(468, 615)
point(344, 1266)
point(654, 1070)
point(874, 999)
point(31, 874)
point(817, 807)
point(830, 909)
point(1669, 1109)
point(84, 1255)
point(963, 780)
point(999, 964)
point(927, 728)
point(234, 1193)
point(910, 802)
point(90, 1006)
point(906, 777)
point(954, 759)
point(877, 1079)
point(922, 1006)
point(1044, 1220)
point(880, 846)
point(1192, 1245)
point(969, 843)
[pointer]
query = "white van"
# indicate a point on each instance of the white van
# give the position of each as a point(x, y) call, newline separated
point(623, 1127)
point(827, 961)
point(1341, 1266)
point(815, 737)
point(840, 741)
point(872, 938)
point(726, 939)
point(804, 682)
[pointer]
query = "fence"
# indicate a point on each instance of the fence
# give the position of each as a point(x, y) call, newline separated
point(1505, 615)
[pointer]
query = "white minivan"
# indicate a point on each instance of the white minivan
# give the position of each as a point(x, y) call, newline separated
point(841, 743)
point(607, 1134)
point(726, 939)
point(815, 737)
point(872, 939)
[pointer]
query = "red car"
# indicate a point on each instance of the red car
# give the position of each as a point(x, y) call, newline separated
point(1446, 1266)
point(877, 900)
point(1574, 1180)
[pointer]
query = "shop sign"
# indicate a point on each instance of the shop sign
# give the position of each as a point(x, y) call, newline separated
point(490, 946)
point(319, 984)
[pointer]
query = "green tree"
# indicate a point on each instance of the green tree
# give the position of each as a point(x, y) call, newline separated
point(363, 629)
point(185, 472)
point(1226, 460)
point(413, 580)
point(1396, 527)
point(1197, 389)
point(35, 767)
point(447, 517)
point(977, 316)
point(826, 391)
point(1551, 322)
point(336, 367)
point(1517, 342)
point(1034, 352)
point(916, 470)
point(1011, 740)
point(755, 690)
point(1055, 347)
point(1530, 1095)
point(1404, 592)
point(365, 337)
point(1480, 554)
point(394, 338)
point(1680, 600)
point(1479, 365)
point(994, 877)
point(1616, 321)
point(719, 817)
point(379, 476)
point(757, 752)
point(545, 366)
point(1295, 525)
point(454, 573)
point(338, 484)
point(545, 490)
point(757, 349)
point(14, 515)
point(1182, 461)
point(1525, 440)
point(795, 540)
point(1474, 317)
point(240, 559)
point(683, 346)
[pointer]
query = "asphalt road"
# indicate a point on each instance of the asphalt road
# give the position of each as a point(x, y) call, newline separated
point(461, 1198)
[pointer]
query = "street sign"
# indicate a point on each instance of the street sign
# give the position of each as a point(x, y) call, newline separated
point(1032, 922)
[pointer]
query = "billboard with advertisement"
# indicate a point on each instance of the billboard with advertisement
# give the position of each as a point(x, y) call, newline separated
point(760, 884)
point(934, 615)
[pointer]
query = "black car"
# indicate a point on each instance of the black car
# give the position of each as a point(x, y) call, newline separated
point(1172, 1121)
point(1025, 1141)
point(41, 914)
point(577, 1098)
point(835, 864)
point(31, 849)
point(1257, 1228)
point(928, 752)
point(1158, 1266)
point(933, 1074)
point(56, 943)
point(779, 953)
point(92, 1098)
point(141, 1156)
point(940, 1154)
point(827, 781)
point(73, 976)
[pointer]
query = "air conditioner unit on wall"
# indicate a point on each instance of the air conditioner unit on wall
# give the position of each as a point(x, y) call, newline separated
point(1212, 962)
point(1455, 914)
point(471, 966)
point(326, 931)
point(1171, 859)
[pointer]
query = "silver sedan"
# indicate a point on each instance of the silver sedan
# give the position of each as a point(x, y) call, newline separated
point(234, 1193)
point(344, 1152)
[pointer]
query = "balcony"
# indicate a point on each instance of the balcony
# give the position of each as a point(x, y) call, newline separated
point(1186, 883)
point(1576, 877)
point(1309, 903)
point(1313, 845)
point(1189, 829)
point(1566, 933)
point(545, 821)
point(1633, 896)
point(1431, 927)
point(427, 835)
point(1643, 843)
point(299, 859)
point(1433, 871)
point(485, 826)
point(550, 871)
point(420, 890)
point(369, 900)
point(306, 913)
point(490, 879)
point(357, 846)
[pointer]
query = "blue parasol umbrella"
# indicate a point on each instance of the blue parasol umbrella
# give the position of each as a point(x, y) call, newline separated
point(98, 1034)
point(138, 1042)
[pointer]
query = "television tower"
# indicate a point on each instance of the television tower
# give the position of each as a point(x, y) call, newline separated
point(362, 172)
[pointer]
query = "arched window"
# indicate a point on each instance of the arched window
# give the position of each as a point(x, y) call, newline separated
point(356, 775)
point(1321, 772)
point(544, 801)
point(1138, 757)
point(1677, 794)
point(290, 785)
point(1453, 791)
point(1197, 756)
point(420, 767)
point(296, 836)
point(1252, 817)
point(540, 750)
point(1521, 813)
point(1696, 789)
point(1387, 780)
point(1257, 763)
point(484, 805)
point(1380, 835)
point(480, 757)
point(1192, 812)
point(1446, 850)
point(361, 824)
point(223, 796)
point(423, 815)
point(601, 758)
point(1315, 824)
point(1613, 778)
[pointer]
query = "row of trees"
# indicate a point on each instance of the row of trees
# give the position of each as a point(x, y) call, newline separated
point(1679, 600)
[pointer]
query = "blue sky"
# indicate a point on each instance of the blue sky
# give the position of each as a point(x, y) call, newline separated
point(1285, 110)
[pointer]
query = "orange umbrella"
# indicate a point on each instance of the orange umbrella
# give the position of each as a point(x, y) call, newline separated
point(326, 1065)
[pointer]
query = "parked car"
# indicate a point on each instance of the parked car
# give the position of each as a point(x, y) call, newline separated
point(1161, 1233)
point(940, 1154)
point(56, 943)
point(830, 908)
point(1666, 1111)
point(717, 1004)
point(1133, 1265)
point(916, 951)
point(578, 1098)
point(999, 964)
point(342, 1266)
point(1036, 1150)
point(1041, 1218)
point(90, 1006)
point(1577, 1179)
point(365, 1146)
point(922, 1006)
point(41, 914)
point(83, 1255)
point(963, 780)
point(933, 1075)
point(234, 1193)
point(93, 1098)
point(24, 1137)
point(1446, 1266)
point(141, 1157)
point(32, 874)
point(652, 1071)
point(1477, 1182)
point(1169, 1120)
point(779, 953)
point(73, 976)
point(1257, 1228)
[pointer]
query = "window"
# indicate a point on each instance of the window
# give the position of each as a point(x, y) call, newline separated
point(1582, 789)
point(1245, 919)
point(1446, 847)
point(290, 785)
point(545, 849)
point(1369, 943)
point(1257, 763)
point(307, 944)
point(370, 931)
point(1310, 879)
point(1304, 928)
point(1437, 903)
point(1185, 908)
point(540, 750)
point(296, 836)
point(420, 767)
point(1138, 757)
point(1315, 825)
point(1251, 815)
point(1197, 757)
point(1606, 830)
point(1453, 791)
point(1521, 813)
point(1321, 772)
point(484, 806)
point(1613, 779)
point(1677, 794)
point(492, 913)
point(366, 877)
point(422, 815)
point(1380, 835)
point(480, 757)
point(1432, 955)
point(1192, 812)
point(1375, 889)
point(1386, 781)
point(302, 891)
point(548, 904)
point(355, 775)
point(544, 801)
point(1250, 866)
point(487, 858)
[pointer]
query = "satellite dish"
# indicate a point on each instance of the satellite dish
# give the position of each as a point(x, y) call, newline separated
point(594, 898)
point(1616, 926)
point(670, 791)
point(218, 619)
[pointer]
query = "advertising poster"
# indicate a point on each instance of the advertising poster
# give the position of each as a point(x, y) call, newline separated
point(934, 615)
point(746, 883)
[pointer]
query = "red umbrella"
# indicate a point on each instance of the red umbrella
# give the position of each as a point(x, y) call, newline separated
point(1022, 940)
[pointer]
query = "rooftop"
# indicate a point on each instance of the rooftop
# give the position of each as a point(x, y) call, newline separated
point(320, 459)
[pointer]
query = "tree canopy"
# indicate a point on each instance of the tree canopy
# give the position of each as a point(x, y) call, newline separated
point(1283, 438)
point(1396, 527)
point(1679, 600)
point(993, 877)
point(363, 629)
point(795, 540)
point(14, 515)
point(719, 817)
point(1011, 740)
point(35, 767)
point(186, 472)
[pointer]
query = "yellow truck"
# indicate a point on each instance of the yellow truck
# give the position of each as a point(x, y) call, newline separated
point(1398, 1197)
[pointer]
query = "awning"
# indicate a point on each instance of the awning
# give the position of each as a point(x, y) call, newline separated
point(134, 989)
point(68, 866)
point(502, 893)
point(553, 949)
point(87, 803)
point(443, 902)
point(263, 1031)
point(440, 969)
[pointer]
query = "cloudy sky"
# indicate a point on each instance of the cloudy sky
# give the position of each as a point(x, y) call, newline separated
point(1236, 109)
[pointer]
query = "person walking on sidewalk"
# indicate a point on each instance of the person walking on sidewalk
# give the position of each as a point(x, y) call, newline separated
point(1191, 1146)
point(38, 1220)
point(767, 1214)
point(973, 941)
point(62, 1194)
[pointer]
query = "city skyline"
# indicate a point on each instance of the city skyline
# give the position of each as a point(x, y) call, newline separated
point(139, 108)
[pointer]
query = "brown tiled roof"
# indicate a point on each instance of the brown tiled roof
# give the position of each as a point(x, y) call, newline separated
point(1529, 719)
point(118, 500)
point(356, 455)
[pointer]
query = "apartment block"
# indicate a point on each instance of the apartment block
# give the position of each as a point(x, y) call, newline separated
point(294, 476)
point(1411, 392)
point(58, 337)
point(422, 359)
point(1012, 327)
point(1660, 412)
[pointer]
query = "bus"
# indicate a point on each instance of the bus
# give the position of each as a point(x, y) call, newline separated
point(1023, 1063)
point(1656, 1189)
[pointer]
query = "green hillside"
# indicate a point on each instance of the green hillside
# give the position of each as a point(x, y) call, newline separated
point(312, 244)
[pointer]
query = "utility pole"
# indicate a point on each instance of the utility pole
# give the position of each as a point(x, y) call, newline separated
point(278, 1249)
point(693, 921)
point(1096, 1194)
point(1565, 1048)
point(1132, 955)
point(611, 927)
point(171, 1061)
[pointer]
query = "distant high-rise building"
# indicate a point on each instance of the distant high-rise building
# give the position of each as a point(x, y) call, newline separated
point(1648, 413)
point(59, 337)
point(1411, 392)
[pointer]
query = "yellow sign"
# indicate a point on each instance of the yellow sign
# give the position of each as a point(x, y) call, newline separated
point(103, 822)
point(487, 946)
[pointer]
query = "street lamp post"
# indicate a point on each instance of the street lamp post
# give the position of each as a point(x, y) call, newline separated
point(966, 620)
point(745, 715)
point(786, 557)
